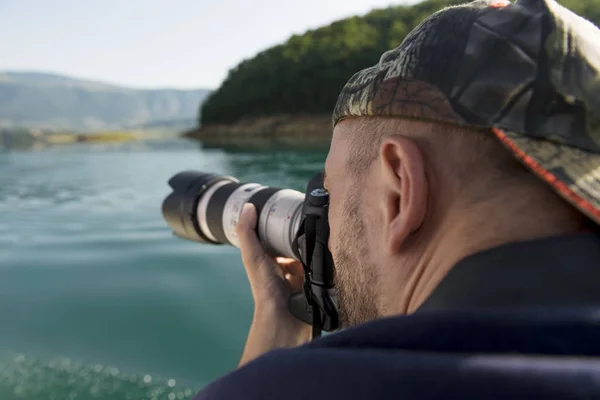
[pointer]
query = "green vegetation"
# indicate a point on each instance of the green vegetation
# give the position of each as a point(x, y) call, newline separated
point(305, 74)
point(21, 138)
point(46, 101)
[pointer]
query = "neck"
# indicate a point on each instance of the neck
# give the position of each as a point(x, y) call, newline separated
point(462, 234)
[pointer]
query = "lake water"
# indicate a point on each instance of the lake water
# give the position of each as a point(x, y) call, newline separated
point(97, 299)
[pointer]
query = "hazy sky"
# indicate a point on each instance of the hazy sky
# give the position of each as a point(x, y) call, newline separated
point(156, 43)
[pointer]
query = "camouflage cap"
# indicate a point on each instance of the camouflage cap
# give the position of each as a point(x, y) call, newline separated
point(529, 71)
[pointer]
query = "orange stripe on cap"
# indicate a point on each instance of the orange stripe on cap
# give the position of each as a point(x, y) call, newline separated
point(500, 4)
point(556, 183)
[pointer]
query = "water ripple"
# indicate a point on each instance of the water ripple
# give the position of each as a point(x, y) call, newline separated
point(90, 270)
point(28, 378)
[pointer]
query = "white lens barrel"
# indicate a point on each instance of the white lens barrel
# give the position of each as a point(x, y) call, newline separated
point(280, 214)
point(278, 218)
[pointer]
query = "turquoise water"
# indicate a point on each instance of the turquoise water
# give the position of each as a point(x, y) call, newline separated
point(97, 299)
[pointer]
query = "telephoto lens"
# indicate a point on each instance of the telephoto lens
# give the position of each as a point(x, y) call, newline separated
point(206, 207)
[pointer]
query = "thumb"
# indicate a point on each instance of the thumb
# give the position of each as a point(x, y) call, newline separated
point(253, 254)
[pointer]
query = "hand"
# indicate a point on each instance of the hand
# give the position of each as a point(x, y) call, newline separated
point(272, 281)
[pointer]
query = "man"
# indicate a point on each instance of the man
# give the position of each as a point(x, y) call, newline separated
point(464, 175)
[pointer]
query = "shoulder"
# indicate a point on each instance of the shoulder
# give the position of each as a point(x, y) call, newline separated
point(304, 372)
point(466, 354)
point(269, 376)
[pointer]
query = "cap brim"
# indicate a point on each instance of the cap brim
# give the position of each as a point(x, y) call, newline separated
point(573, 173)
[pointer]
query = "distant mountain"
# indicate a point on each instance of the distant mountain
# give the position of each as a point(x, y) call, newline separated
point(39, 100)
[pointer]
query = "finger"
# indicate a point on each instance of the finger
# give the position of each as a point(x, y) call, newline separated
point(293, 272)
point(252, 251)
point(284, 260)
point(296, 282)
point(253, 254)
point(291, 266)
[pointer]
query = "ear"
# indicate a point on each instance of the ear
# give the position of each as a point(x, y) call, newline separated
point(405, 189)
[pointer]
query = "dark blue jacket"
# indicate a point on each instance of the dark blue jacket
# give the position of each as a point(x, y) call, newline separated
point(520, 321)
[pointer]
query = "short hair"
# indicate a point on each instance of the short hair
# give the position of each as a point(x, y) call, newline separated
point(470, 152)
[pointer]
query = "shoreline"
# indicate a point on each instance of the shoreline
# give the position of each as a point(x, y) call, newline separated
point(25, 139)
point(277, 132)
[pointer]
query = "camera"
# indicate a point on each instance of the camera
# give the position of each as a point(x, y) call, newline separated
point(205, 207)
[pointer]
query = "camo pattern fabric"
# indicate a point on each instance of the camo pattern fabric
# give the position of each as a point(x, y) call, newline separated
point(529, 70)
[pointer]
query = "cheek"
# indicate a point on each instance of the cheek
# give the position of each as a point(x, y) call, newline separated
point(374, 225)
point(332, 225)
point(335, 218)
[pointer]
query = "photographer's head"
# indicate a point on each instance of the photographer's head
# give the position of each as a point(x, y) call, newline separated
point(465, 137)
point(414, 199)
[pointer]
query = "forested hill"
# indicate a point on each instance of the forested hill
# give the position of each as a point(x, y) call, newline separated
point(305, 74)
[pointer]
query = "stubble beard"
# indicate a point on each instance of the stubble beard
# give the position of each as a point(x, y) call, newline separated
point(356, 280)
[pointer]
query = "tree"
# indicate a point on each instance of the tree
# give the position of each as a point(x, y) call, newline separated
point(305, 74)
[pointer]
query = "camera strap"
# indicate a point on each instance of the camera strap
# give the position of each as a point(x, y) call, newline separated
point(304, 306)
point(311, 227)
point(315, 305)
